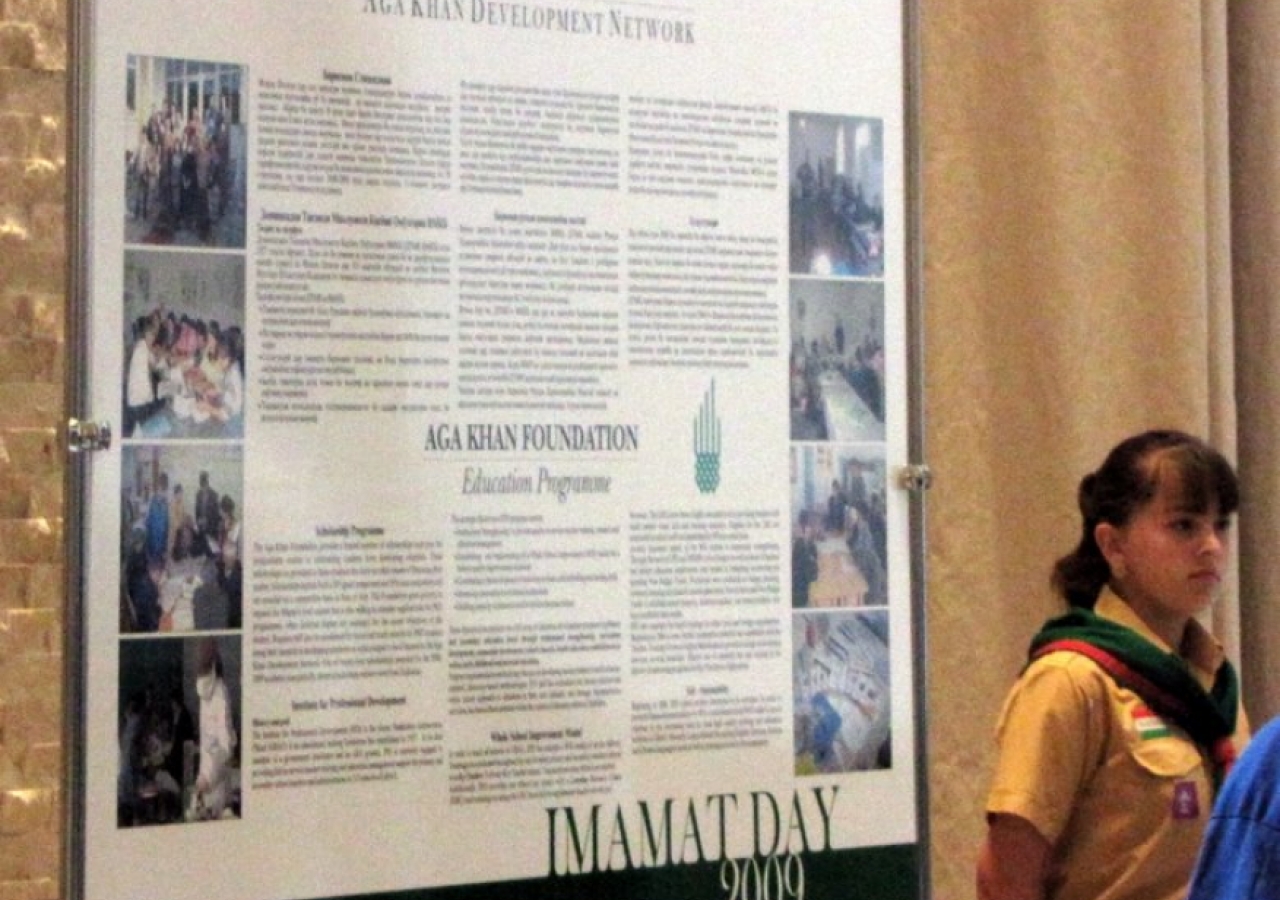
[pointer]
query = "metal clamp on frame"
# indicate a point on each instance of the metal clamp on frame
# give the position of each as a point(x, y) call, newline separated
point(915, 478)
point(85, 437)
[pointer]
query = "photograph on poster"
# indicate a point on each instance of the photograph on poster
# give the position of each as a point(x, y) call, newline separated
point(178, 721)
point(185, 157)
point(837, 360)
point(180, 538)
point(838, 538)
point(836, 173)
point(840, 670)
point(184, 345)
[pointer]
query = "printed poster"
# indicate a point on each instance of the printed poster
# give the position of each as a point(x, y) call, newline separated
point(510, 399)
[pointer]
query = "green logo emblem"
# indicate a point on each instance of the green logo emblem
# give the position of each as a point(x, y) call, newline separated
point(706, 444)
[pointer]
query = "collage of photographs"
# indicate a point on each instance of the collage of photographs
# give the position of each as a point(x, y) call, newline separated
point(839, 557)
point(182, 458)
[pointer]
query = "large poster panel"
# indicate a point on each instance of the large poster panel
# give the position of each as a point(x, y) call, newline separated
point(510, 400)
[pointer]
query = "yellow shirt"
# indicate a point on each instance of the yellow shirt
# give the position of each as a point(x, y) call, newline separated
point(1122, 795)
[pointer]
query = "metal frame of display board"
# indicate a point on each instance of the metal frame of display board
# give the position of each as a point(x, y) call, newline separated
point(96, 441)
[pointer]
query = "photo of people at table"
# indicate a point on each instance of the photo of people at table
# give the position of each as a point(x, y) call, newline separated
point(178, 728)
point(181, 545)
point(836, 166)
point(184, 345)
point(840, 677)
point(838, 537)
point(837, 361)
point(185, 158)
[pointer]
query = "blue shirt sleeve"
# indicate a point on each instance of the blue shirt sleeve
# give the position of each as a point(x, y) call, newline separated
point(1240, 857)
point(1240, 860)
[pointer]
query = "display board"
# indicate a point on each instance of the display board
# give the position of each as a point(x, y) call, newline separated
point(511, 401)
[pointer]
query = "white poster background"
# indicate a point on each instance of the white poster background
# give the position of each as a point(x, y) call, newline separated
point(840, 59)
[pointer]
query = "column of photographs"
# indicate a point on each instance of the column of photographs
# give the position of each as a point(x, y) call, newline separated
point(182, 470)
point(839, 593)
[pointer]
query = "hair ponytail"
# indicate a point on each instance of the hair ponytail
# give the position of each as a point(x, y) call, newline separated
point(1080, 575)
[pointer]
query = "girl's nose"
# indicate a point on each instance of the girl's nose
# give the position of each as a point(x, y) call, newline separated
point(1215, 542)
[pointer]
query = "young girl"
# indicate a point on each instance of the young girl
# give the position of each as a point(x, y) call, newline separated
point(1127, 715)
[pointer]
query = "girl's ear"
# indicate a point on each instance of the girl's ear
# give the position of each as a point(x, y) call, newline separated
point(1110, 542)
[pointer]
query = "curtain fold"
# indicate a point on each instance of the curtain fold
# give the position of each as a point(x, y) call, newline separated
point(1254, 53)
point(1222, 429)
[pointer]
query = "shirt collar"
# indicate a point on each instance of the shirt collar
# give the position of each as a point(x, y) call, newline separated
point(1199, 648)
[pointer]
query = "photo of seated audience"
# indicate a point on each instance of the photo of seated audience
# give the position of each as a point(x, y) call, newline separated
point(839, 541)
point(836, 166)
point(837, 361)
point(178, 722)
point(841, 693)
point(184, 345)
point(181, 545)
point(185, 166)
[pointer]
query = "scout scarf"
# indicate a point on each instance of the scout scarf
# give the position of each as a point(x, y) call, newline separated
point(1163, 680)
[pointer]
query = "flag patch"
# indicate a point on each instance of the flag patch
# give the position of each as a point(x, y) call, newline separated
point(1149, 725)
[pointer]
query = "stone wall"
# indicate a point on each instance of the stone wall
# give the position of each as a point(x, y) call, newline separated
point(33, 267)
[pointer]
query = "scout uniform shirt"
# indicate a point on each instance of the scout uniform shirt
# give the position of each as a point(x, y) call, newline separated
point(1121, 794)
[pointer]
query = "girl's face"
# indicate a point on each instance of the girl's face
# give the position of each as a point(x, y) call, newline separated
point(1168, 561)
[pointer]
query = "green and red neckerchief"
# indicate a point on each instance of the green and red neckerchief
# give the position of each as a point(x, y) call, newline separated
point(1162, 679)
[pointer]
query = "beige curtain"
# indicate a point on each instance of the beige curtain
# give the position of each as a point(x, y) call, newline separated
point(1254, 36)
point(1096, 236)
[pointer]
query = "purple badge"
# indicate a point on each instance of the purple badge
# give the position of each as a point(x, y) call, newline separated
point(1186, 800)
